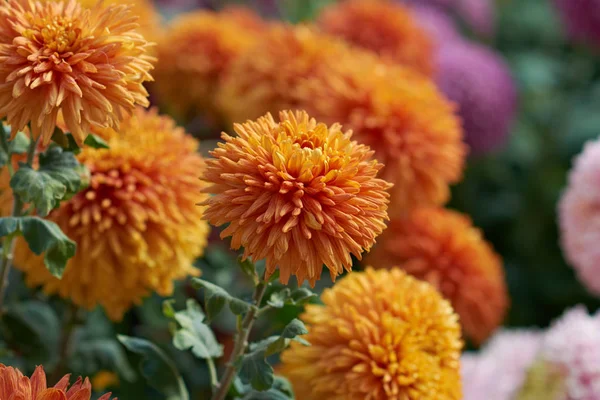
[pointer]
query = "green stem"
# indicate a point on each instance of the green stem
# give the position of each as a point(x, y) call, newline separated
point(214, 378)
point(8, 244)
point(241, 342)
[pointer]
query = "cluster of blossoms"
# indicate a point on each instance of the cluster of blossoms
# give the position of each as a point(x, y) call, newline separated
point(559, 364)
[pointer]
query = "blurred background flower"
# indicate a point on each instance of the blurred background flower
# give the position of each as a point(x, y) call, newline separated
point(443, 248)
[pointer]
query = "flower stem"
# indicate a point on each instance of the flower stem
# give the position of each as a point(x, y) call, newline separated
point(8, 244)
point(214, 378)
point(241, 342)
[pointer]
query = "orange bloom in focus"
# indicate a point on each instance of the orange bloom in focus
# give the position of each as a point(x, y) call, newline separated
point(380, 335)
point(196, 50)
point(296, 193)
point(137, 225)
point(384, 27)
point(266, 78)
point(442, 247)
point(412, 127)
point(17, 386)
point(59, 57)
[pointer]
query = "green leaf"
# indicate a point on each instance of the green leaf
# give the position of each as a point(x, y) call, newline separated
point(290, 332)
point(195, 334)
point(32, 329)
point(20, 144)
point(95, 142)
point(254, 369)
point(249, 269)
point(168, 309)
point(94, 354)
point(281, 390)
point(43, 237)
point(158, 369)
point(57, 176)
point(285, 297)
point(215, 298)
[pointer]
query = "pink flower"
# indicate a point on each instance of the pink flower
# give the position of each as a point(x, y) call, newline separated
point(498, 370)
point(579, 217)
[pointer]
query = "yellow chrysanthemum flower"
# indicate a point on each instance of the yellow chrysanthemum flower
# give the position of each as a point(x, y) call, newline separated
point(444, 248)
point(193, 54)
point(384, 27)
point(89, 64)
point(380, 335)
point(137, 225)
point(296, 193)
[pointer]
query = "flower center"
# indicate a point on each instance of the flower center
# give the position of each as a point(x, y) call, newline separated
point(54, 33)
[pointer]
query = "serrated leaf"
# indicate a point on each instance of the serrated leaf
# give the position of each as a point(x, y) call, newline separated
point(95, 142)
point(194, 334)
point(215, 298)
point(158, 369)
point(302, 296)
point(278, 299)
point(254, 369)
point(43, 236)
point(57, 176)
point(95, 354)
point(32, 329)
point(291, 332)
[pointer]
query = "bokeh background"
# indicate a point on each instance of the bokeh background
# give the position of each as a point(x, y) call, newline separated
point(529, 78)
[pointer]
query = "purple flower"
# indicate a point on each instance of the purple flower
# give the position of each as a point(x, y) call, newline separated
point(436, 23)
point(581, 19)
point(478, 14)
point(479, 82)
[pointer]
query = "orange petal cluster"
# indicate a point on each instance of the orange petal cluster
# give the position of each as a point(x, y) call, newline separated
point(400, 114)
point(88, 64)
point(384, 27)
point(397, 112)
point(266, 77)
point(442, 247)
point(194, 53)
point(14, 385)
point(137, 225)
point(380, 335)
point(296, 193)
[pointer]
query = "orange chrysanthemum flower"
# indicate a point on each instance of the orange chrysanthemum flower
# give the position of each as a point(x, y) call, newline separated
point(384, 27)
point(136, 226)
point(265, 78)
point(412, 127)
point(196, 50)
point(443, 248)
point(296, 193)
point(17, 386)
point(59, 57)
point(381, 335)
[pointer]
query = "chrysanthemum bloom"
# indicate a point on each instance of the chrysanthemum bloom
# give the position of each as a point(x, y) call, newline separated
point(388, 29)
point(439, 25)
point(381, 335)
point(195, 51)
point(581, 19)
point(498, 371)
point(443, 248)
point(480, 15)
point(579, 217)
point(441, 4)
point(136, 226)
point(480, 82)
point(59, 57)
point(402, 116)
point(17, 386)
point(296, 193)
point(266, 77)
point(569, 354)
point(149, 17)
